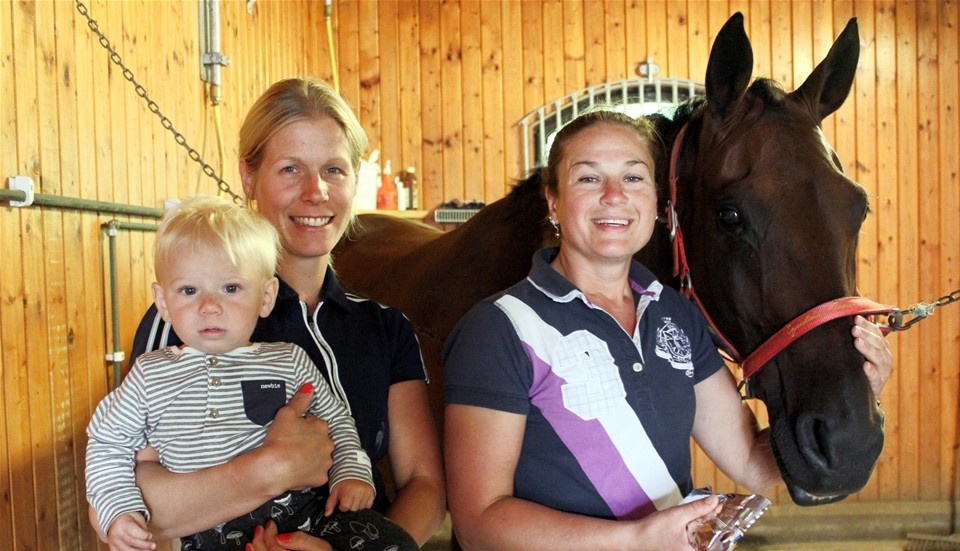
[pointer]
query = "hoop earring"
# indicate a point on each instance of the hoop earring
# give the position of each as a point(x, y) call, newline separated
point(556, 228)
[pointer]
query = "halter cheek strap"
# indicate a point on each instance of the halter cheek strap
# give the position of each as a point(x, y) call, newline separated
point(799, 326)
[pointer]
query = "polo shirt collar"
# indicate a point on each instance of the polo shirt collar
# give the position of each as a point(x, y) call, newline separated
point(331, 291)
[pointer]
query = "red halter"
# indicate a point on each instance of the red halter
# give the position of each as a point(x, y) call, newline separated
point(799, 326)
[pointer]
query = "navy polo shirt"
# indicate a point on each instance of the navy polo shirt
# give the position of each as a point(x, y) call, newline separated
point(608, 414)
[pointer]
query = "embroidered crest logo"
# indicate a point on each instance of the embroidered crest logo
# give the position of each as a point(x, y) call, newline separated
point(673, 345)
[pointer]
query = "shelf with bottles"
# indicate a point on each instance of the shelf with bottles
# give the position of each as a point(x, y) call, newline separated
point(383, 190)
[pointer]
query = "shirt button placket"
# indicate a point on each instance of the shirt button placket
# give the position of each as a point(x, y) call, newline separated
point(215, 382)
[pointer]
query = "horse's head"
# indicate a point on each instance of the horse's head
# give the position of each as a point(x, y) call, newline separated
point(763, 195)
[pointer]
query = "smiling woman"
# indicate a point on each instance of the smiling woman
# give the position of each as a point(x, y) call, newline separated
point(303, 181)
point(300, 150)
point(601, 192)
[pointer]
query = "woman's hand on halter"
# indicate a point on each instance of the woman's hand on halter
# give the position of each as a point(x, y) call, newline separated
point(869, 341)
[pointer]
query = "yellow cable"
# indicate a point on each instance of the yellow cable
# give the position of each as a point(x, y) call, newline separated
point(218, 125)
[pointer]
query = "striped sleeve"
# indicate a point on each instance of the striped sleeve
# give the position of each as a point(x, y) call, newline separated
point(115, 433)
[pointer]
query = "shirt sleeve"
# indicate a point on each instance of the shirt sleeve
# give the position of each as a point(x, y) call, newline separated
point(706, 359)
point(485, 364)
point(115, 433)
point(350, 461)
point(407, 360)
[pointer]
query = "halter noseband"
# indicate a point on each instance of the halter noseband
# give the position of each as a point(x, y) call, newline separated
point(796, 328)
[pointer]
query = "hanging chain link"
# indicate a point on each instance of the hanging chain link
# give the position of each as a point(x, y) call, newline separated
point(154, 108)
point(919, 311)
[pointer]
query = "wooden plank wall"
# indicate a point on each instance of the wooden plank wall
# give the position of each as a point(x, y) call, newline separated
point(440, 86)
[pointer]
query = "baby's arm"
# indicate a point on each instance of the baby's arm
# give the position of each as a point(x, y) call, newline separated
point(351, 495)
point(129, 533)
point(116, 431)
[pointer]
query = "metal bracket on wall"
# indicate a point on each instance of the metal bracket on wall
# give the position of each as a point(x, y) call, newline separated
point(211, 58)
point(24, 184)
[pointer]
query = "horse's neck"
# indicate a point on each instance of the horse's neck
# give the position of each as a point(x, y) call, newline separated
point(502, 245)
point(657, 256)
point(493, 241)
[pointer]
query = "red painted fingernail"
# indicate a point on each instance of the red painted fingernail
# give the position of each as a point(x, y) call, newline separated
point(257, 531)
point(284, 538)
point(307, 388)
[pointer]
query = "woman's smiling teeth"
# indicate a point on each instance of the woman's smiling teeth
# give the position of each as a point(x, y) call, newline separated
point(611, 221)
point(310, 221)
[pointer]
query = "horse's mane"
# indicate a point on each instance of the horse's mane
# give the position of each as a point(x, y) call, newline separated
point(526, 193)
point(531, 184)
point(765, 90)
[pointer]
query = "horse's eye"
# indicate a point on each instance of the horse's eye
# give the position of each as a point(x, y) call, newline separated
point(729, 216)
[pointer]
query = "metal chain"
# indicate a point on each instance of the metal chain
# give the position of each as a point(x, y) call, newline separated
point(919, 311)
point(154, 108)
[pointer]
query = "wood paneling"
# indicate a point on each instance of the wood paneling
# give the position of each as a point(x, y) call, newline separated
point(438, 85)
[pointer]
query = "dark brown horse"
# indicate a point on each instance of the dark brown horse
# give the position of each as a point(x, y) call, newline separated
point(770, 224)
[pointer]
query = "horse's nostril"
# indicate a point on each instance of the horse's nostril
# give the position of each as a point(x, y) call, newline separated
point(821, 434)
point(814, 437)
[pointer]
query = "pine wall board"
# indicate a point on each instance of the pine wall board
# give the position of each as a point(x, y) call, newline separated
point(439, 86)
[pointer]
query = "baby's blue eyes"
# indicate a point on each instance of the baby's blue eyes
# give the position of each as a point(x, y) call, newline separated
point(230, 288)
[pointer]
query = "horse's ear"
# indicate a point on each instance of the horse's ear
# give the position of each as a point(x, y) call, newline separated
point(730, 66)
point(829, 84)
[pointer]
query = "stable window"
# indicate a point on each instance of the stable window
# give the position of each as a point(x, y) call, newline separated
point(635, 97)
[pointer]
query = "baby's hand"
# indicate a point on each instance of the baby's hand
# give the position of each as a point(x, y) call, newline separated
point(352, 495)
point(129, 533)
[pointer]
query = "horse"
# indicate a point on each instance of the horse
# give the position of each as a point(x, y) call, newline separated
point(768, 223)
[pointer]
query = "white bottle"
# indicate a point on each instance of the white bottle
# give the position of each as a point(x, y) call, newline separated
point(413, 189)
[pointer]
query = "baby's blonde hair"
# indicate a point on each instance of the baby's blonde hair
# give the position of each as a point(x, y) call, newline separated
point(249, 240)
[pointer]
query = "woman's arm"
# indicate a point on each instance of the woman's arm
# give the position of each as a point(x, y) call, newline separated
point(482, 448)
point(295, 454)
point(730, 435)
point(420, 504)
